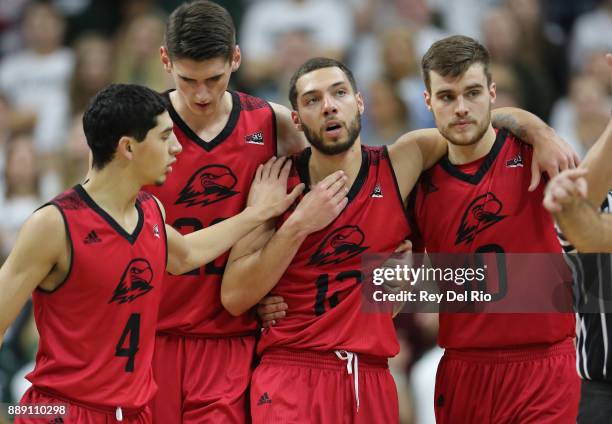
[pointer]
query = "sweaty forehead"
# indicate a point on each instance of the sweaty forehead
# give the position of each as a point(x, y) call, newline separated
point(474, 75)
point(164, 121)
point(200, 69)
point(321, 80)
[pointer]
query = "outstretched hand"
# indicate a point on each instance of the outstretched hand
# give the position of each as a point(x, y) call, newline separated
point(564, 189)
point(269, 188)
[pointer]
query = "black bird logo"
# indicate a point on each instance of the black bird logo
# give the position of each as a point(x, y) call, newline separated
point(483, 212)
point(135, 281)
point(339, 246)
point(210, 184)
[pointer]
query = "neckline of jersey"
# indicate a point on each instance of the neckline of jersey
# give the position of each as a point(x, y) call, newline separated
point(219, 138)
point(304, 173)
point(131, 238)
point(486, 164)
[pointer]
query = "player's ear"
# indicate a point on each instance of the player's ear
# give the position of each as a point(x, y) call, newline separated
point(296, 120)
point(236, 58)
point(165, 59)
point(427, 99)
point(124, 148)
point(493, 92)
point(360, 103)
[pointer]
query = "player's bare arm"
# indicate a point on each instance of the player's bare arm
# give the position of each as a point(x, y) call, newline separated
point(289, 139)
point(33, 263)
point(551, 154)
point(200, 247)
point(597, 165)
point(250, 274)
point(418, 150)
point(582, 224)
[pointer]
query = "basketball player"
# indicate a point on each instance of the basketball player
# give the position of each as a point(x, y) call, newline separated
point(93, 259)
point(225, 136)
point(326, 348)
point(497, 368)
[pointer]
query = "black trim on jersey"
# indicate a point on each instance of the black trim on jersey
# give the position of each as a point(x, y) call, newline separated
point(70, 258)
point(484, 167)
point(163, 223)
point(131, 238)
point(274, 130)
point(301, 166)
point(225, 132)
point(397, 188)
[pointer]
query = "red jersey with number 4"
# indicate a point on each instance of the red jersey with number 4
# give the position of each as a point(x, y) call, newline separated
point(485, 207)
point(97, 329)
point(210, 182)
point(323, 284)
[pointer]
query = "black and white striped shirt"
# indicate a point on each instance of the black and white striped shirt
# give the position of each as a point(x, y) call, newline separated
point(593, 293)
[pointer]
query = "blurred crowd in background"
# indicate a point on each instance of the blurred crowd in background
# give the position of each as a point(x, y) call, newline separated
point(547, 57)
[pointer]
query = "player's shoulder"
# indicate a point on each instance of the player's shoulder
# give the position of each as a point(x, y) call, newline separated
point(250, 103)
point(46, 223)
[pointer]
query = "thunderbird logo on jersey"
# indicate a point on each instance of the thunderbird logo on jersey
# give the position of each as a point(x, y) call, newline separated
point(209, 184)
point(255, 138)
point(339, 246)
point(480, 215)
point(135, 281)
point(515, 162)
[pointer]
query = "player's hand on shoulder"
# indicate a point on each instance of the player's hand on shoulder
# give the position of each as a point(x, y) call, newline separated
point(322, 204)
point(551, 155)
point(270, 309)
point(564, 189)
point(269, 189)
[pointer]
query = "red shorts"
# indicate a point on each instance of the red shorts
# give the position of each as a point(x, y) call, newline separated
point(534, 385)
point(304, 386)
point(202, 380)
point(79, 413)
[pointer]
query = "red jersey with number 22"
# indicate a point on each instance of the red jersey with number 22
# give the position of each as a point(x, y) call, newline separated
point(210, 182)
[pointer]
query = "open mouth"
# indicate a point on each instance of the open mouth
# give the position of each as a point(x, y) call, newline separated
point(333, 128)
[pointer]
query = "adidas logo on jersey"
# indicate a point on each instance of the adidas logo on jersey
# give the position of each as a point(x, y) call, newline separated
point(265, 398)
point(515, 162)
point(255, 138)
point(377, 191)
point(92, 237)
point(156, 230)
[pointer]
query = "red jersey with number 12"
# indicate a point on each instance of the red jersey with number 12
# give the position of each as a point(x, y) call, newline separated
point(489, 210)
point(210, 182)
point(97, 329)
point(323, 284)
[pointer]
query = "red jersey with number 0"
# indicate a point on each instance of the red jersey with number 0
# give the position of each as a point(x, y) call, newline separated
point(210, 182)
point(323, 284)
point(486, 207)
point(97, 329)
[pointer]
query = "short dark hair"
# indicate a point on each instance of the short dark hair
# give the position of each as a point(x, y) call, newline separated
point(452, 56)
point(200, 30)
point(116, 111)
point(312, 65)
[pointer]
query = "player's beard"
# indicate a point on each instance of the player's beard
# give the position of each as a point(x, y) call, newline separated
point(481, 129)
point(316, 139)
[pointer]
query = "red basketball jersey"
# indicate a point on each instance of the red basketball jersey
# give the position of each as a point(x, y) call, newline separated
point(489, 210)
point(322, 285)
point(210, 182)
point(97, 329)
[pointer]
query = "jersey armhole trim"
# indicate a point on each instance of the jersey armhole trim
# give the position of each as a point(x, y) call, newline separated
point(163, 223)
point(71, 256)
point(274, 129)
point(397, 189)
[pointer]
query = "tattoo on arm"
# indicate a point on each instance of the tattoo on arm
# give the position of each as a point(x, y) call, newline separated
point(508, 122)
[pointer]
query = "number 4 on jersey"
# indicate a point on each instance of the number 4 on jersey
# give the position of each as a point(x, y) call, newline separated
point(132, 329)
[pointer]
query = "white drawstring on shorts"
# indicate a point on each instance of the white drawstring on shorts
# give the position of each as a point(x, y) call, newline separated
point(348, 357)
point(119, 414)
